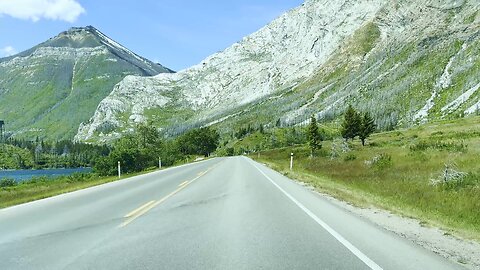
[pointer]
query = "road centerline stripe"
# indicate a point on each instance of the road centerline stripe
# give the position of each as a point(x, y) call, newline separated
point(360, 255)
point(150, 205)
point(134, 212)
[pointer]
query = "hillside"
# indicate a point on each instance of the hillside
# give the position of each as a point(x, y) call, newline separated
point(47, 91)
point(404, 61)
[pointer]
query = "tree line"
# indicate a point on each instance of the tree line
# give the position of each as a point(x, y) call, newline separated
point(142, 149)
point(40, 154)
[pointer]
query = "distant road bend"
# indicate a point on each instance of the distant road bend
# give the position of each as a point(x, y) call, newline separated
point(223, 213)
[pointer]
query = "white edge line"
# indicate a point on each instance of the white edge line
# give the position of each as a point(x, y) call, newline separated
point(329, 229)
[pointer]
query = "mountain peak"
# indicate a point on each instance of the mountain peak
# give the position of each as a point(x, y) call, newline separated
point(69, 75)
point(79, 30)
point(89, 36)
point(85, 28)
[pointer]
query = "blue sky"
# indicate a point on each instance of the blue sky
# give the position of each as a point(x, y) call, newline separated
point(176, 33)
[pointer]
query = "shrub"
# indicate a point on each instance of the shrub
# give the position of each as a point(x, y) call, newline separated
point(350, 157)
point(7, 182)
point(452, 178)
point(230, 151)
point(380, 162)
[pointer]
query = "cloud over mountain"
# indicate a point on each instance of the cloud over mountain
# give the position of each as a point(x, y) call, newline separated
point(7, 51)
point(35, 10)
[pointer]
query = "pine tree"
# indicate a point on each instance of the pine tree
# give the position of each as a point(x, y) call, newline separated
point(313, 136)
point(278, 123)
point(261, 129)
point(367, 127)
point(351, 124)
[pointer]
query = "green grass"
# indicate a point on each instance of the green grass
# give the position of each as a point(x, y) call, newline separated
point(395, 170)
point(42, 187)
point(365, 39)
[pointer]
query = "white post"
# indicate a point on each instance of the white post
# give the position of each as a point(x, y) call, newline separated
point(291, 161)
point(119, 171)
point(159, 163)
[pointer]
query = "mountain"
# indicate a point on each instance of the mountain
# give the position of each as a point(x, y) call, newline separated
point(406, 62)
point(48, 90)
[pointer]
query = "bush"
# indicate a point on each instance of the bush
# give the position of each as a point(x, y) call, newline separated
point(105, 166)
point(453, 179)
point(350, 157)
point(380, 162)
point(7, 182)
point(230, 151)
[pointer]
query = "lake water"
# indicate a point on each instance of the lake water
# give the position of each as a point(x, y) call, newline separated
point(23, 175)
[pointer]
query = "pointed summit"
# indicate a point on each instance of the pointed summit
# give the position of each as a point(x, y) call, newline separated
point(91, 37)
point(63, 79)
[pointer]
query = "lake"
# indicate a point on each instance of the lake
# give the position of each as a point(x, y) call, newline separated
point(23, 175)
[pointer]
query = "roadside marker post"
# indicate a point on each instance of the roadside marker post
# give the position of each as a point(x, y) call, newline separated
point(119, 171)
point(159, 163)
point(291, 161)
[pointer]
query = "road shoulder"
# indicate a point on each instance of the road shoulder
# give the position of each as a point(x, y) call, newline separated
point(464, 252)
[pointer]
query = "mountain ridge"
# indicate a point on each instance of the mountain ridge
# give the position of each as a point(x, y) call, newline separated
point(383, 56)
point(62, 80)
point(215, 83)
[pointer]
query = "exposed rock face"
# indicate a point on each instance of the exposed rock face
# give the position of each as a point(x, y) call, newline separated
point(388, 57)
point(49, 90)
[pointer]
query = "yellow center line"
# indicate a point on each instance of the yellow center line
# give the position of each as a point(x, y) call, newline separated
point(184, 183)
point(150, 205)
point(134, 212)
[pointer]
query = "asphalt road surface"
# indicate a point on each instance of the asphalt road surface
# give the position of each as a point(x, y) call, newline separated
point(224, 213)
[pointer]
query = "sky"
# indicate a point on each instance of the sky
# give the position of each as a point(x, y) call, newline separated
point(175, 33)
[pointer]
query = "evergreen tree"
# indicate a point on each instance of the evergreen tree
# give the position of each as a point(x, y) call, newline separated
point(278, 123)
point(351, 124)
point(367, 127)
point(313, 136)
point(261, 129)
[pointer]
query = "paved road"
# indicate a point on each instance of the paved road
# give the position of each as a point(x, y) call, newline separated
point(224, 213)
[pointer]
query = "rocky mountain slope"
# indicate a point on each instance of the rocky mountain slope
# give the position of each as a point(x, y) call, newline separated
point(405, 61)
point(49, 90)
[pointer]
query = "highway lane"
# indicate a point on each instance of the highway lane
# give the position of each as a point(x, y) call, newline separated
point(224, 213)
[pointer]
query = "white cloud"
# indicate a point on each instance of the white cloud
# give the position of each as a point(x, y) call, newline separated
point(7, 51)
point(65, 10)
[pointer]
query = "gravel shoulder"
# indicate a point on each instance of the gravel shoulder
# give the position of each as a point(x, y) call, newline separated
point(462, 251)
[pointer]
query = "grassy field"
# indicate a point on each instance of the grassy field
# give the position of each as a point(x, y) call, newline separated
point(430, 172)
point(42, 187)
